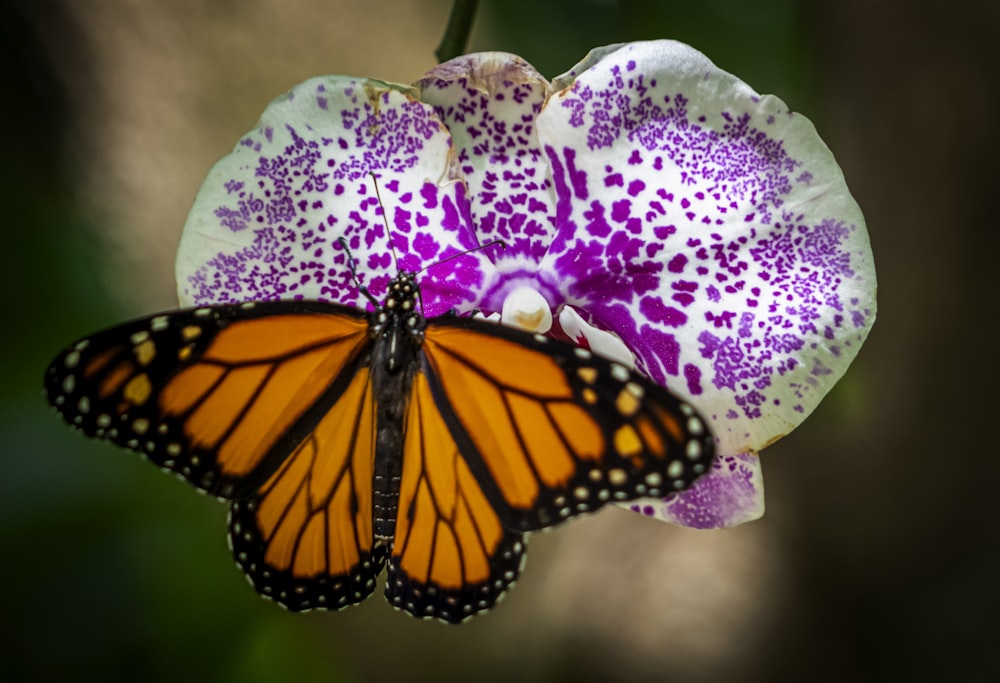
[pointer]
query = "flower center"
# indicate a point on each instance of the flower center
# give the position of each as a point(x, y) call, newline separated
point(528, 310)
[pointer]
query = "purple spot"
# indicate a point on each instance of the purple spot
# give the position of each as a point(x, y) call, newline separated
point(692, 375)
point(664, 231)
point(597, 225)
point(429, 194)
point(620, 210)
point(654, 310)
point(659, 353)
point(577, 178)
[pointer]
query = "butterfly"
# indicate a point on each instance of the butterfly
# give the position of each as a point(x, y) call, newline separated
point(348, 442)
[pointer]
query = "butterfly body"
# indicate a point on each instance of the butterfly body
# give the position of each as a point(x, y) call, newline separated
point(397, 332)
point(349, 443)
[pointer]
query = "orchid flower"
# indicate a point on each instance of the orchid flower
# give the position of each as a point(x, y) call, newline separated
point(654, 208)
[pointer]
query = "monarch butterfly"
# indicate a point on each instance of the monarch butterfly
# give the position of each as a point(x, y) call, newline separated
point(348, 441)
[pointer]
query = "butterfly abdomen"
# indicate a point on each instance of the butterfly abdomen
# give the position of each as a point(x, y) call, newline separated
point(391, 390)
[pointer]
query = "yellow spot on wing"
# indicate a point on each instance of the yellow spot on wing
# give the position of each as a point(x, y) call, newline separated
point(138, 390)
point(626, 403)
point(627, 441)
point(145, 352)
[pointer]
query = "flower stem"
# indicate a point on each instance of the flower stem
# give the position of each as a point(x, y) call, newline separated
point(456, 34)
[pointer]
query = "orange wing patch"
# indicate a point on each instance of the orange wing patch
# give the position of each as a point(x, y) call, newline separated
point(217, 395)
point(498, 412)
point(452, 556)
point(305, 539)
point(551, 431)
point(268, 381)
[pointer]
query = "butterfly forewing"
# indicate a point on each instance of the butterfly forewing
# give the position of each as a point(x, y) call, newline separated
point(551, 430)
point(218, 395)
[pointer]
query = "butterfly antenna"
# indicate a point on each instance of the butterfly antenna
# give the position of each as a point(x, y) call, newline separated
point(491, 243)
point(352, 265)
point(385, 219)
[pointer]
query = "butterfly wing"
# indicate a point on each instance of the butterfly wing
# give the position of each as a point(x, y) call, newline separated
point(218, 395)
point(272, 405)
point(305, 539)
point(506, 433)
point(549, 430)
point(452, 557)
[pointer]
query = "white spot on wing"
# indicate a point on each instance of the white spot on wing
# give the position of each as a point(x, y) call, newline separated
point(693, 449)
point(695, 426)
point(620, 372)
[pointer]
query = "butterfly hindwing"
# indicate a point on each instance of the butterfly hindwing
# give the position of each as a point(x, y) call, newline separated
point(305, 538)
point(217, 395)
point(550, 430)
point(452, 557)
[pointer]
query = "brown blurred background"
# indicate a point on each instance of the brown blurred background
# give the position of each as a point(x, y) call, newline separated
point(879, 555)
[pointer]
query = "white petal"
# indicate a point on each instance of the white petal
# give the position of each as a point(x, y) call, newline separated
point(266, 221)
point(712, 230)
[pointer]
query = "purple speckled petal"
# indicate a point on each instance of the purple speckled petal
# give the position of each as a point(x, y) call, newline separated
point(711, 229)
point(489, 102)
point(266, 220)
point(731, 493)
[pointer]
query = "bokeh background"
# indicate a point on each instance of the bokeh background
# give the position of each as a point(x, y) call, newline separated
point(879, 555)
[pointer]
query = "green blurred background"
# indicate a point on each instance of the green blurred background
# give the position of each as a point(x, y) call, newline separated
point(879, 555)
